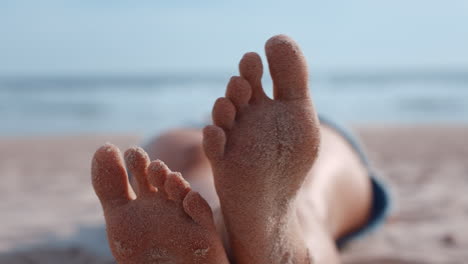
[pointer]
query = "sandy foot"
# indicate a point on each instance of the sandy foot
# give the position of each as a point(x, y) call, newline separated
point(166, 223)
point(261, 150)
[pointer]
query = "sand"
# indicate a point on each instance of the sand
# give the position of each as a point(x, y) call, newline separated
point(50, 214)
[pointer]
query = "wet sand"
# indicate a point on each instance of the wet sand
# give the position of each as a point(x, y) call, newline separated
point(51, 215)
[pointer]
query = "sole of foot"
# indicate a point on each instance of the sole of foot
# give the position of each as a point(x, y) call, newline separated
point(164, 222)
point(261, 150)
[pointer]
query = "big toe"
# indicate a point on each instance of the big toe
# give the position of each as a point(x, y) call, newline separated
point(109, 176)
point(288, 68)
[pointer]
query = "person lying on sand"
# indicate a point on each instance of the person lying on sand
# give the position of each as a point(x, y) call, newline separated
point(268, 182)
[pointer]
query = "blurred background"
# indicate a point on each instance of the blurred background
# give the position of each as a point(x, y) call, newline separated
point(75, 74)
point(124, 66)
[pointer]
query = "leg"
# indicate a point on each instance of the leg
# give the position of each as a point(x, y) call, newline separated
point(166, 223)
point(334, 199)
point(338, 185)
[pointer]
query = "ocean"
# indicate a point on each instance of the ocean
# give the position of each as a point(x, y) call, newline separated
point(146, 104)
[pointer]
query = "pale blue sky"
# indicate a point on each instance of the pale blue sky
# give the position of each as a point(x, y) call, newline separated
point(100, 37)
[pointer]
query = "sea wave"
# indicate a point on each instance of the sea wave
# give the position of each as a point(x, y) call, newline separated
point(149, 103)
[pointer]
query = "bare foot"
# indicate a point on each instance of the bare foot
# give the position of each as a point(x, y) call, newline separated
point(166, 223)
point(261, 151)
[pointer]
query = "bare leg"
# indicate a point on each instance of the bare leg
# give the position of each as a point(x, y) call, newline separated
point(336, 166)
point(338, 185)
point(334, 199)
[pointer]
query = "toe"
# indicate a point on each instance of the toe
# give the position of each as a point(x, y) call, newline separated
point(238, 91)
point(223, 113)
point(137, 162)
point(157, 174)
point(288, 68)
point(251, 69)
point(198, 209)
point(176, 187)
point(109, 177)
point(214, 141)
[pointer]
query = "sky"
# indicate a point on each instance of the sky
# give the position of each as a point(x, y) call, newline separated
point(53, 37)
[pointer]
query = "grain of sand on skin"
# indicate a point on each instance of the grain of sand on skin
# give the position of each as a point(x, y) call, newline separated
point(427, 226)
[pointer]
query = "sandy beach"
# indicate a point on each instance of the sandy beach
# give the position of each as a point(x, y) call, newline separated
point(50, 213)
